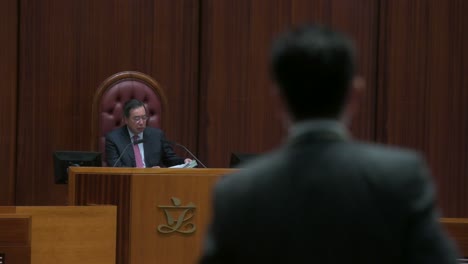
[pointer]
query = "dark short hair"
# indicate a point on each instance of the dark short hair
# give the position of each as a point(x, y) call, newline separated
point(313, 67)
point(132, 104)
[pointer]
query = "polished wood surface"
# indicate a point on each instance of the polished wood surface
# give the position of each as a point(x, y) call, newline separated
point(7, 209)
point(15, 238)
point(72, 234)
point(58, 234)
point(138, 193)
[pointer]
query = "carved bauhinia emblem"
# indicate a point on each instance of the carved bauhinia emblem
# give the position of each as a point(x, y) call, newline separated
point(180, 223)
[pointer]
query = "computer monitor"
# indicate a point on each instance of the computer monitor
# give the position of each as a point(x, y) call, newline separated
point(239, 159)
point(65, 159)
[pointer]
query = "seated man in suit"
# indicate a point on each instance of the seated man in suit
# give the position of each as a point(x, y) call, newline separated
point(151, 150)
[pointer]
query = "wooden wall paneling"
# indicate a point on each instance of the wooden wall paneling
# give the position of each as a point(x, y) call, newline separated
point(175, 59)
point(8, 99)
point(67, 49)
point(15, 238)
point(109, 190)
point(423, 90)
point(71, 234)
point(360, 21)
point(238, 113)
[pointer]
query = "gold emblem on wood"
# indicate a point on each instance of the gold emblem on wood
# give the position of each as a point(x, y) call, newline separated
point(180, 223)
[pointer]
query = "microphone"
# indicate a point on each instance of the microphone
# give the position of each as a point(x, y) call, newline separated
point(125, 149)
point(186, 149)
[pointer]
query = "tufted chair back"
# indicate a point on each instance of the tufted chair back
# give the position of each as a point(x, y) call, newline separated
point(110, 98)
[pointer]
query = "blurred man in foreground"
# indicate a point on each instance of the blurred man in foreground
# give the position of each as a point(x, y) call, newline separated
point(322, 197)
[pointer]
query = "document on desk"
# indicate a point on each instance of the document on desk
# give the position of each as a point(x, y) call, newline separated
point(191, 164)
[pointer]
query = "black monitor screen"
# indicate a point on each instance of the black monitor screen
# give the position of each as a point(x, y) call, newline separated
point(65, 159)
point(238, 160)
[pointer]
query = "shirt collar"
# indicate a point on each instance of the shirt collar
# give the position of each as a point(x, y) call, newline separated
point(319, 125)
point(140, 136)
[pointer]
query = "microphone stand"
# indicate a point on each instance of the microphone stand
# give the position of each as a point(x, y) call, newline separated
point(186, 149)
point(125, 150)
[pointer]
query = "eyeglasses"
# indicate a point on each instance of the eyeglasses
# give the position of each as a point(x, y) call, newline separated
point(138, 118)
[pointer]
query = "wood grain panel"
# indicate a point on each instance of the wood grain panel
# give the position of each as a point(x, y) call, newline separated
point(238, 112)
point(175, 59)
point(68, 48)
point(16, 255)
point(15, 236)
point(359, 20)
point(151, 191)
point(8, 98)
point(72, 234)
point(423, 89)
point(15, 230)
point(110, 190)
point(235, 99)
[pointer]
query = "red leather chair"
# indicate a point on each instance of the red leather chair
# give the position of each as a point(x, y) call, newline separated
point(110, 98)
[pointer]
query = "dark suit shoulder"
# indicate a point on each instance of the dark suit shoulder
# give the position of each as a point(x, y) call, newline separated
point(153, 130)
point(243, 181)
point(378, 152)
point(380, 161)
point(393, 173)
point(390, 171)
point(118, 132)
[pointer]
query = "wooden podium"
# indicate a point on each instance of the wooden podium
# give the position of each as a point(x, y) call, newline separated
point(162, 213)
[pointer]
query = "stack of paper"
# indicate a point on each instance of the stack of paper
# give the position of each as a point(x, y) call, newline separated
point(191, 164)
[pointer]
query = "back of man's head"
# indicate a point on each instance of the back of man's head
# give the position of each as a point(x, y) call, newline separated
point(313, 67)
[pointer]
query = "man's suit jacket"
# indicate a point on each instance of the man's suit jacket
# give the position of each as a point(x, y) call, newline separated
point(158, 152)
point(322, 198)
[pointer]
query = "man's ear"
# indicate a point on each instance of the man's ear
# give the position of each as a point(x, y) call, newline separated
point(281, 106)
point(355, 95)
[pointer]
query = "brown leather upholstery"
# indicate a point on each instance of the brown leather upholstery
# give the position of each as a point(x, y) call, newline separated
point(111, 96)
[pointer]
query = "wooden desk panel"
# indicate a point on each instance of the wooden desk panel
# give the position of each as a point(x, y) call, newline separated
point(186, 200)
point(15, 237)
point(72, 234)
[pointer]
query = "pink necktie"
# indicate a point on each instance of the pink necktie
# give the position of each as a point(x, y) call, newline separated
point(136, 150)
